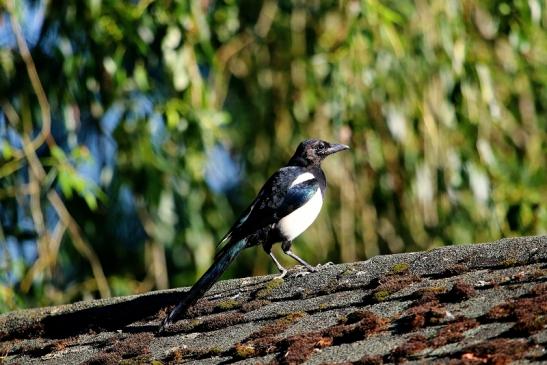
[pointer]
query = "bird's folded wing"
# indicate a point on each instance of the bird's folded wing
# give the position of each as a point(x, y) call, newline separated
point(277, 198)
point(296, 197)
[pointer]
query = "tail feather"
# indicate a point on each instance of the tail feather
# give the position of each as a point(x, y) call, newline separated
point(222, 260)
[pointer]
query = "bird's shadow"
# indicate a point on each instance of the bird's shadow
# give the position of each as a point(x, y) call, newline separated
point(123, 314)
point(108, 317)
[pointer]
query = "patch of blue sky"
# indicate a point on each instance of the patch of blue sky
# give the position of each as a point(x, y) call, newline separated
point(222, 172)
point(111, 118)
point(31, 18)
point(158, 130)
point(8, 135)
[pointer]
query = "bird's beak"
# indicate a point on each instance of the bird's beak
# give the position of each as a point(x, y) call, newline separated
point(336, 148)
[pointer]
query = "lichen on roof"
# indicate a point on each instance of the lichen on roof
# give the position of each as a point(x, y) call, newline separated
point(481, 303)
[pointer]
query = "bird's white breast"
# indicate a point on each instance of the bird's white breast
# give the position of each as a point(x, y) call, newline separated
point(293, 224)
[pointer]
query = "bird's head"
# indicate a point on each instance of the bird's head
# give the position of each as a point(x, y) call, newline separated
point(313, 151)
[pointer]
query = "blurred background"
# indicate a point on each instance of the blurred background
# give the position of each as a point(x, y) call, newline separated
point(133, 133)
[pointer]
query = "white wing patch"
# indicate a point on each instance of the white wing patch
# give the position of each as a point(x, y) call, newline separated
point(301, 178)
point(293, 224)
point(242, 220)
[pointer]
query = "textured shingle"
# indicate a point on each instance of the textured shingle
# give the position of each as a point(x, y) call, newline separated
point(482, 303)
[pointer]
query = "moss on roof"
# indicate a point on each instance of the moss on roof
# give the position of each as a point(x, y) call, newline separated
point(463, 304)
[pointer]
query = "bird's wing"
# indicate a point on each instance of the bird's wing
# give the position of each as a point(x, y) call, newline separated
point(278, 197)
point(297, 195)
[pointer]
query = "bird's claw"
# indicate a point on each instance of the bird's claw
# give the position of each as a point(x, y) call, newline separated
point(311, 269)
point(301, 274)
point(330, 263)
point(302, 270)
point(307, 268)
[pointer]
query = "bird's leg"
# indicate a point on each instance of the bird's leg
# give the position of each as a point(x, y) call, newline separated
point(286, 247)
point(282, 270)
point(294, 256)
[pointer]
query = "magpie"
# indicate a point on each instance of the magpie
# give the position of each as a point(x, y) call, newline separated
point(286, 206)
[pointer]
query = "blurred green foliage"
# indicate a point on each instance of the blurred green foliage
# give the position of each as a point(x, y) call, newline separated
point(443, 103)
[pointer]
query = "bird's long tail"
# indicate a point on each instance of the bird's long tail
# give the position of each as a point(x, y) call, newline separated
point(222, 260)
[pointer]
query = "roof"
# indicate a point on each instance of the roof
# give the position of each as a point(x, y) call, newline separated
point(480, 303)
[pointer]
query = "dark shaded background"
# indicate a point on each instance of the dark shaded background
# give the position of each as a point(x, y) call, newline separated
point(149, 126)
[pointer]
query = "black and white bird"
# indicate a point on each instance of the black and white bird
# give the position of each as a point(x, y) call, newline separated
point(285, 207)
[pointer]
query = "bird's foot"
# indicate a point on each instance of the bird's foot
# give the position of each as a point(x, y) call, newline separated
point(282, 274)
point(330, 263)
point(307, 268)
point(301, 274)
point(303, 270)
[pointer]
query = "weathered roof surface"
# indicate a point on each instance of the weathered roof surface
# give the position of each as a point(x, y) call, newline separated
point(472, 304)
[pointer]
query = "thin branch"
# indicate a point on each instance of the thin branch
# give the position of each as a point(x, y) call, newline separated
point(36, 168)
point(12, 191)
point(80, 243)
point(10, 167)
point(38, 216)
point(28, 151)
point(45, 260)
point(224, 55)
point(55, 243)
point(6, 262)
point(160, 265)
point(13, 119)
point(148, 283)
point(45, 133)
point(157, 250)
